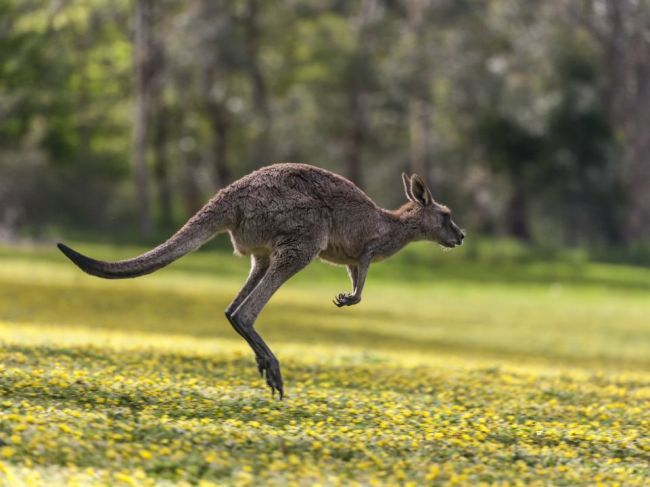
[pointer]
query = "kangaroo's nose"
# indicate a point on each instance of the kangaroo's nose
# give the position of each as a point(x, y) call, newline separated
point(461, 237)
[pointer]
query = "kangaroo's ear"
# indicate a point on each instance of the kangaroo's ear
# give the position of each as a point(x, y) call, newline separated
point(420, 192)
point(407, 187)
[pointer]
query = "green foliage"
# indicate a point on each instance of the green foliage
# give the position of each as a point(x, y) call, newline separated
point(66, 141)
point(518, 138)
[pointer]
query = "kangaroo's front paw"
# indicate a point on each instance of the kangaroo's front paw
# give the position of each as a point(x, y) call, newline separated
point(345, 299)
point(270, 367)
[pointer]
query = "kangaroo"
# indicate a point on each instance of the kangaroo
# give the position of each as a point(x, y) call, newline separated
point(284, 216)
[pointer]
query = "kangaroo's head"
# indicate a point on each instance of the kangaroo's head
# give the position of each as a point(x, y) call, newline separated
point(433, 219)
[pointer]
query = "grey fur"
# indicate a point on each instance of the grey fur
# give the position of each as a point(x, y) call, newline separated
point(284, 216)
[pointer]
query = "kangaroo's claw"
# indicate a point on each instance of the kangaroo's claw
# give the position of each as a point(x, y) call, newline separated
point(345, 299)
point(271, 368)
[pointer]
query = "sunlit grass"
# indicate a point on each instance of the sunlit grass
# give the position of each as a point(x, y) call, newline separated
point(434, 377)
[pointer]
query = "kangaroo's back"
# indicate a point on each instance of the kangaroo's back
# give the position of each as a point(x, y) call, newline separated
point(294, 181)
point(295, 199)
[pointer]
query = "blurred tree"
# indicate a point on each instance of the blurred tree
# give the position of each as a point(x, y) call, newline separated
point(161, 113)
point(358, 76)
point(219, 56)
point(263, 144)
point(63, 135)
point(515, 151)
point(420, 103)
point(622, 30)
point(579, 179)
point(143, 64)
point(505, 106)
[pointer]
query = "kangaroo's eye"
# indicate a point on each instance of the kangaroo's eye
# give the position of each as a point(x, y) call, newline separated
point(446, 218)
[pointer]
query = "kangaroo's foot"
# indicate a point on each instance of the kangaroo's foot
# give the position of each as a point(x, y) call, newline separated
point(346, 299)
point(266, 361)
point(271, 367)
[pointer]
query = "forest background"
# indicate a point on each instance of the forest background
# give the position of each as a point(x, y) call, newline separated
point(119, 118)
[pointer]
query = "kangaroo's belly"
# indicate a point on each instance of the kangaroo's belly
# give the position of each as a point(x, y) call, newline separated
point(249, 244)
point(339, 254)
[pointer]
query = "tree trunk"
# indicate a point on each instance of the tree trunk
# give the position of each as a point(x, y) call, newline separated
point(192, 193)
point(621, 28)
point(518, 214)
point(639, 138)
point(628, 66)
point(219, 126)
point(263, 147)
point(141, 63)
point(420, 136)
point(161, 114)
point(215, 88)
point(420, 105)
point(356, 135)
point(359, 74)
point(161, 166)
point(218, 118)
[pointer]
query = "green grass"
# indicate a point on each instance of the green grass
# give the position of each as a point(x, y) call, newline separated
point(478, 365)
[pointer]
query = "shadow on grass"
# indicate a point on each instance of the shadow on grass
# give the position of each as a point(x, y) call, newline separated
point(202, 316)
point(419, 263)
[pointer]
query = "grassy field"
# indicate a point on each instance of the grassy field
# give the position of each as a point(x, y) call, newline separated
point(457, 367)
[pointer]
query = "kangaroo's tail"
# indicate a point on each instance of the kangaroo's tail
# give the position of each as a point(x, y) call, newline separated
point(199, 229)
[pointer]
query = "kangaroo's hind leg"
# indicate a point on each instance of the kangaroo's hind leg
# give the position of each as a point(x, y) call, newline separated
point(259, 266)
point(284, 263)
